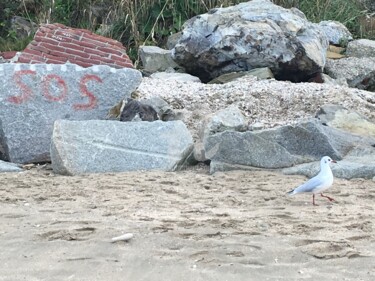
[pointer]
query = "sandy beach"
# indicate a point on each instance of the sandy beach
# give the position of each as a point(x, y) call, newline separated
point(187, 225)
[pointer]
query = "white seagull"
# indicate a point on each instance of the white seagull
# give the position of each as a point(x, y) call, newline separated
point(320, 182)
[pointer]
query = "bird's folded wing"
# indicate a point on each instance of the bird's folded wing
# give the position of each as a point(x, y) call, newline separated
point(310, 185)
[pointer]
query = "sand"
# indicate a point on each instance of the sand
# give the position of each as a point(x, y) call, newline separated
point(187, 225)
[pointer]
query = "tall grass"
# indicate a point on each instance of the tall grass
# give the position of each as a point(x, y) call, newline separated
point(138, 22)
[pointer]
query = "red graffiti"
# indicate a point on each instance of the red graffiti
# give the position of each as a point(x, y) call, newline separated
point(60, 82)
point(83, 88)
point(26, 92)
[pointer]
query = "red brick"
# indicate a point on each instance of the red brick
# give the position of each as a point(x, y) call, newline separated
point(32, 52)
point(70, 46)
point(103, 39)
point(38, 48)
point(110, 51)
point(96, 52)
point(48, 40)
point(77, 53)
point(85, 44)
point(119, 58)
point(8, 55)
point(124, 64)
point(67, 35)
point(81, 63)
point(61, 59)
point(51, 61)
point(53, 47)
point(96, 57)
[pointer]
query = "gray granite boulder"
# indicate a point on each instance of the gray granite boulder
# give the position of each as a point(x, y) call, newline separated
point(99, 146)
point(348, 168)
point(279, 147)
point(33, 96)
point(361, 48)
point(336, 32)
point(228, 119)
point(341, 118)
point(9, 167)
point(358, 72)
point(176, 76)
point(260, 73)
point(251, 35)
point(156, 59)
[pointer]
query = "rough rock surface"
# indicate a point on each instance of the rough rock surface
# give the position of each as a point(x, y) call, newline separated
point(9, 167)
point(137, 111)
point(261, 73)
point(98, 146)
point(183, 77)
point(156, 59)
point(227, 119)
point(32, 97)
point(251, 35)
point(348, 168)
point(358, 72)
point(280, 147)
point(265, 103)
point(336, 32)
point(339, 117)
point(361, 48)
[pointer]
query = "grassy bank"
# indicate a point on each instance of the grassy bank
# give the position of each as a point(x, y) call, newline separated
point(137, 22)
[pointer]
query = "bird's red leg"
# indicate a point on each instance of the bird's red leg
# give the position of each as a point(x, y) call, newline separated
point(314, 200)
point(329, 198)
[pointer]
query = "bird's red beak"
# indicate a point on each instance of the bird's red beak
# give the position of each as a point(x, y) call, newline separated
point(333, 161)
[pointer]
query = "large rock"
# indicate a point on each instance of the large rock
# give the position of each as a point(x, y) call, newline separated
point(260, 73)
point(358, 72)
point(340, 117)
point(280, 147)
point(336, 32)
point(32, 97)
point(9, 167)
point(156, 59)
point(251, 35)
point(361, 48)
point(227, 119)
point(348, 168)
point(99, 146)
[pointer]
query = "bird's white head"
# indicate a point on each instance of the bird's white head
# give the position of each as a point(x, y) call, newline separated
point(326, 160)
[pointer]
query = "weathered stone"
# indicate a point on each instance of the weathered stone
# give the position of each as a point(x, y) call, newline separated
point(156, 59)
point(22, 27)
point(348, 168)
point(335, 52)
point(9, 167)
point(361, 48)
point(228, 119)
point(339, 117)
point(32, 97)
point(280, 147)
point(99, 146)
point(172, 40)
point(164, 110)
point(334, 82)
point(137, 111)
point(336, 32)
point(260, 73)
point(251, 35)
point(183, 77)
point(358, 72)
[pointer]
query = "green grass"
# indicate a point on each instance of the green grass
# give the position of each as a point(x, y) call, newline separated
point(138, 22)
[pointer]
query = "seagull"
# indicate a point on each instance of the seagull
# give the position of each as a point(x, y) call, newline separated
point(320, 182)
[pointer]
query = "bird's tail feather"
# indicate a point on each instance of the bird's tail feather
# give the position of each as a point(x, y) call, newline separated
point(290, 193)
